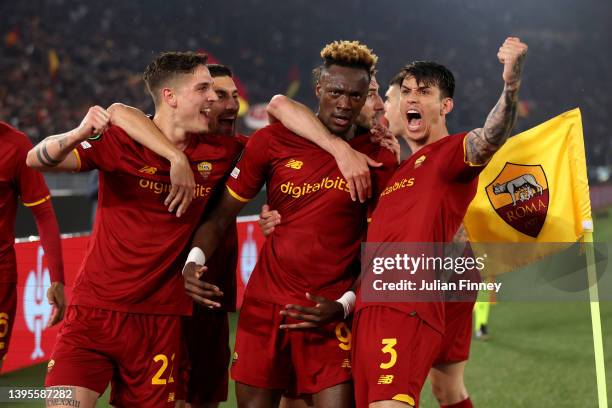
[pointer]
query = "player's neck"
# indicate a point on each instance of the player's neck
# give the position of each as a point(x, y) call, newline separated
point(433, 136)
point(177, 135)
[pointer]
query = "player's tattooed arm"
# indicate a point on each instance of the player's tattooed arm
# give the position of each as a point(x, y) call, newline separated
point(483, 142)
point(353, 165)
point(52, 154)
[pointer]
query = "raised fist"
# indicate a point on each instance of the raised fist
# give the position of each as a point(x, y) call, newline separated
point(96, 121)
point(512, 54)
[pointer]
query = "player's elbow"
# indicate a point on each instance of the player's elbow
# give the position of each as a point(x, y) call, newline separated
point(32, 160)
point(277, 103)
point(117, 110)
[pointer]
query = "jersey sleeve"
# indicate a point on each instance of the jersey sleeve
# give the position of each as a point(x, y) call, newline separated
point(456, 167)
point(30, 183)
point(252, 169)
point(101, 152)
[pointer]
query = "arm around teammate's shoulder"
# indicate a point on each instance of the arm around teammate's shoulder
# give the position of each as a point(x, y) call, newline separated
point(142, 129)
point(54, 152)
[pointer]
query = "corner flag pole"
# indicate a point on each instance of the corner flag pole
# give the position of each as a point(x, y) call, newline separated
point(600, 371)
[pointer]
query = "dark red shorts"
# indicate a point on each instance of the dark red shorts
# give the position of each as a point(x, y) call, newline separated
point(457, 337)
point(8, 309)
point(204, 368)
point(392, 354)
point(298, 362)
point(137, 353)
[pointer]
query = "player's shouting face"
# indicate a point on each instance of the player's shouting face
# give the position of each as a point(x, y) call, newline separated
point(193, 98)
point(342, 93)
point(423, 108)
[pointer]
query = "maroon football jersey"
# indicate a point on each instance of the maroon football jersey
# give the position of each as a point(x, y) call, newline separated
point(425, 201)
point(137, 248)
point(16, 180)
point(322, 228)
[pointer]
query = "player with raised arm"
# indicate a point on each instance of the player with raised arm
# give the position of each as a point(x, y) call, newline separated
point(305, 254)
point(447, 374)
point(19, 181)
point(124, 322)
point(396, 343)
point(447, 383)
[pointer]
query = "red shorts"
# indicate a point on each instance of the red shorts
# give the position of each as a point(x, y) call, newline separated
point(204, 367)
point(392, 354)
point(297, 362)
point(457, 337)
point(137, 352)
point(8, 309)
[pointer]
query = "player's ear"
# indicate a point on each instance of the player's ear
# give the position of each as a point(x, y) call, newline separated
point(318, 89)
point(447, 106)
point(169, 96)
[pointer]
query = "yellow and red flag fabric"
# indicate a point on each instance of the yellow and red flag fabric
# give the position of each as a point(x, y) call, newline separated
point(535, 188)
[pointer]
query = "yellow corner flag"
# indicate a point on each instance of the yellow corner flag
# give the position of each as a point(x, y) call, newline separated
point(535, 189)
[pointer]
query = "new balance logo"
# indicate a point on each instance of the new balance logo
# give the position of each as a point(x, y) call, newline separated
point(385, 379)
point(294, 164)
point(346, 363)
point(148, 170)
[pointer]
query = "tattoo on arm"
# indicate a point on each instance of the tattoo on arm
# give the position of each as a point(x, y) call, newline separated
point(43, 154)
point(50, 161)
point(482, 143)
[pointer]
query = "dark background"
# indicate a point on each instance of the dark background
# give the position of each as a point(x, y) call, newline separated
point(102, 48)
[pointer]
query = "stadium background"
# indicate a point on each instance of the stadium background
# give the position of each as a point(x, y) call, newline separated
point(58, 57)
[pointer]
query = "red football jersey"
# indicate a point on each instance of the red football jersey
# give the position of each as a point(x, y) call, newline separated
point(137, 248)
point(16, 180)
point(321, 231)
point(425, 201)
point(222, 264)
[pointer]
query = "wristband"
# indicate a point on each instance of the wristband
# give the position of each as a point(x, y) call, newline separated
point(196, 255)
point(348, 302)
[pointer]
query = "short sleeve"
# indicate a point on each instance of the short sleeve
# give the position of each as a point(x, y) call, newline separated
point(101, 152)
point(250, 172)
point(455, 167)
point(31, 184)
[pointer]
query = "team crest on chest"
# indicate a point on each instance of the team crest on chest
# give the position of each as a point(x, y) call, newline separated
point(294, 164)
point(418, 162)
point(205, 168)
point(519, 194)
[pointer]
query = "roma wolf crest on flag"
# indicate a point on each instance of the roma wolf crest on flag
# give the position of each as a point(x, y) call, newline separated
point(519, 195)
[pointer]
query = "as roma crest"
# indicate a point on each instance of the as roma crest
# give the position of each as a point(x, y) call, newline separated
point(519, 195)
point(205, 168)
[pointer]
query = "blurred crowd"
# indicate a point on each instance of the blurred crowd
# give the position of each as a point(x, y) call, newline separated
point(58, 57)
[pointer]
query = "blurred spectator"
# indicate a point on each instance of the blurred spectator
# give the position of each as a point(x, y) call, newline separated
point(61, 56)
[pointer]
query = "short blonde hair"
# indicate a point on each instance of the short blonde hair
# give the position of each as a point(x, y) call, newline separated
point(349, 53)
